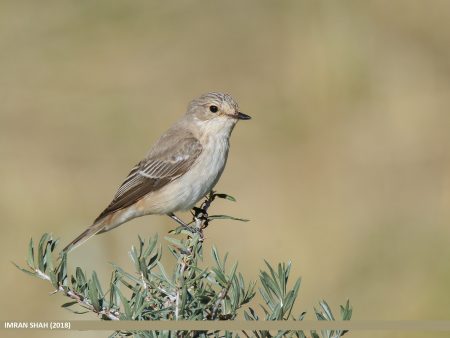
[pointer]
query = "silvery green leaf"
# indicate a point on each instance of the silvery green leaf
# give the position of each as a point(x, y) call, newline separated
point(97, 284)
point(164, 274)
point(62, 270)
point(53, 279)
point(213, 217)
point(126, 305)
point(326, 310)
point(177, 243)
point(69, 304)
point(31, 273)
point(225, 196)
point(41, 252)
point(30, 256)
point(93, 295)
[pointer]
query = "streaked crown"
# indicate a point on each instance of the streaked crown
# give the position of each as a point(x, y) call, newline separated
point(207, 103)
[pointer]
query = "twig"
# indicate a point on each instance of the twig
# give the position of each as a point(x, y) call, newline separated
point(42, 275)
point(177, 304)
point(220, 298)
point(79, 298)
point(82, 302)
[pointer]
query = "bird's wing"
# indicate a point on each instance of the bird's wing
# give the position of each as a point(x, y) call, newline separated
point(166, 161)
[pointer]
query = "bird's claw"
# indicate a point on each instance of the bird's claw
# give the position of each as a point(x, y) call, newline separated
point(200, 213)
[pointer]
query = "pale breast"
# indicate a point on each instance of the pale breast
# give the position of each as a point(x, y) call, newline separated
point(184, 192)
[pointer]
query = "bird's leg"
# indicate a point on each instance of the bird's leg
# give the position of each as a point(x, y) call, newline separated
point(178, 220)
point(184, 225)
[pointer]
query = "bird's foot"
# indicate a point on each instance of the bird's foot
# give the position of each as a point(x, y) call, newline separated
point(200, 213)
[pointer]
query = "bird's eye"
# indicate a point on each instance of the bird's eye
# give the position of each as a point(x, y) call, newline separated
point(213, 109)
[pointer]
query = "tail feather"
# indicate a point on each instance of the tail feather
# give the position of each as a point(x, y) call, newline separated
point(83, 237)
point(101, 225)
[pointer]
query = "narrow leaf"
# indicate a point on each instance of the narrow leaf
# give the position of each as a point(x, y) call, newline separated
point(212, 217)
point(226, 196)
point(30, 256)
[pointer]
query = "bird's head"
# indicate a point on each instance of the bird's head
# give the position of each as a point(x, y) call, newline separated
point(215, 110)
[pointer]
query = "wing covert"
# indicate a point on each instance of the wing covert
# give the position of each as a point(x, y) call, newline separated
point(165, 162)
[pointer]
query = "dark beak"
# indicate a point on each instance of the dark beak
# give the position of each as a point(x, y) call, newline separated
point(242, 116)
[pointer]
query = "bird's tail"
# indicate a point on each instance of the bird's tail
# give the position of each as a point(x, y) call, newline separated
point(83, 237)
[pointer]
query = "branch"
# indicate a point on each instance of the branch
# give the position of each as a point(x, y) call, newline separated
point(80, 299)
point(187, 291)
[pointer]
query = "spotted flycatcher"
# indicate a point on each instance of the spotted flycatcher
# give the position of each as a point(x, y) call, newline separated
point(180, 169)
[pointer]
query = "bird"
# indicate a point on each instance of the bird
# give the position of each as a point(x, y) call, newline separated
point(180, 169)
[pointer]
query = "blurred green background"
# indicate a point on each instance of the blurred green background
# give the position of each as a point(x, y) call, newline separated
point(344, 169)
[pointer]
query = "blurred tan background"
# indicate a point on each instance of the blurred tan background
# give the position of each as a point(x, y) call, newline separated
point(344, 169)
